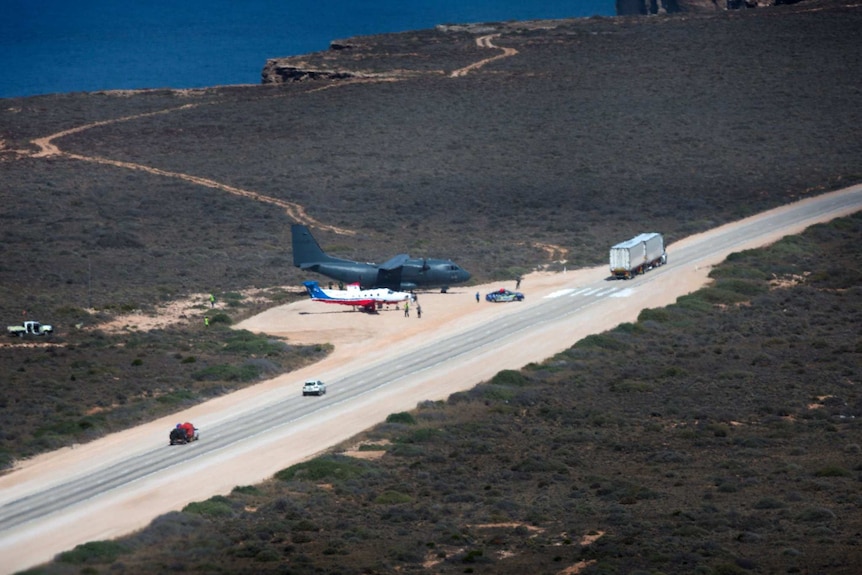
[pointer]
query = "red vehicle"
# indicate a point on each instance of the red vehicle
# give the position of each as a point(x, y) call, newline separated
point(183, 433)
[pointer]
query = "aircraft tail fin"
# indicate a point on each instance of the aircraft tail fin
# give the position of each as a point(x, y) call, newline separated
point(306, 250)
point(314, 291)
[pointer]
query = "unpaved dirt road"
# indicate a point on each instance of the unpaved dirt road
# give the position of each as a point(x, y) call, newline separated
point(382, 364)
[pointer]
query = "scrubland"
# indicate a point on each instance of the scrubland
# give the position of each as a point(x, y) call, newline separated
point(719, 435)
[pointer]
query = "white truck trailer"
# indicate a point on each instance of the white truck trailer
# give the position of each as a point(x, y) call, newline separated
point(637, 255)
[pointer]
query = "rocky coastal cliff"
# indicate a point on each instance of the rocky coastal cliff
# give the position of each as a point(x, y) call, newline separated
point(363, 57)
point(644, 7)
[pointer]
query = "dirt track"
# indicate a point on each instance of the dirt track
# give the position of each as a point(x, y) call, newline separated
point(357, 336)
point(47, 147)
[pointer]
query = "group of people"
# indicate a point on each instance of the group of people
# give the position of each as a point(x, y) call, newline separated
point(212, 306)
point(407, 309)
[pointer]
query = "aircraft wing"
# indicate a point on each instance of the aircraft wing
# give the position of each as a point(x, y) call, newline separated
point(394, 263)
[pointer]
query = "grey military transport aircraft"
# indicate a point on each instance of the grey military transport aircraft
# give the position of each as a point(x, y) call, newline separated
point(401, 273)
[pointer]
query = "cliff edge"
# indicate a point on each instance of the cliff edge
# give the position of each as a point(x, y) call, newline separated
point(645, 7)
point(396, 55)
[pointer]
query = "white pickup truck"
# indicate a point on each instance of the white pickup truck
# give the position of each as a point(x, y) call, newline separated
point(313, 387)
point(30, 328)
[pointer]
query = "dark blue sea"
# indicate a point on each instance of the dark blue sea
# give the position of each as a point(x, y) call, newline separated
point(52, 46)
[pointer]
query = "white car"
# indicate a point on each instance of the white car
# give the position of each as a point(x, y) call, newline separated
point(313, 387)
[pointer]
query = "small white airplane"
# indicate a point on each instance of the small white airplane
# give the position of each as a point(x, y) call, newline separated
point(368, 299)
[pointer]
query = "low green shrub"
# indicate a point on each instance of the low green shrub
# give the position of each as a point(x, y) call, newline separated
point(406, 450)
point(401, 417)
point(742, 286)
point(247, 343)
point(601, 341)
point(832, 471)
point(245, 490)
point(496, 393)
point(224, 372)
point(218, 506)
point(629, 328)
point(509, 377)
point(816, 514)
point(327, 467)
point(420, 435)
point(221, 318)
point(100, 552)
point(176, 397)
point(392, 498)
point(694, 302)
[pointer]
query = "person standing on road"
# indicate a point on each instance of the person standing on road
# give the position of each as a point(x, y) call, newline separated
point(212, 300)
point(477, 297)
point(419, 311)
point(406, 309)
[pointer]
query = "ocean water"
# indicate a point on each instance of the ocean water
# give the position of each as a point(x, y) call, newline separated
point(58, 46)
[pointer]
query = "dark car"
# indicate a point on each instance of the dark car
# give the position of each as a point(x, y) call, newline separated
point(504, 295)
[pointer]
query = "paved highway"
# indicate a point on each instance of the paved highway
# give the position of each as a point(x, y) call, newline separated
point(36, 506)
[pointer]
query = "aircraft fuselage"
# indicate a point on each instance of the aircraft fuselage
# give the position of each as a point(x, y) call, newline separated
point(400, 273)
point(414, 274)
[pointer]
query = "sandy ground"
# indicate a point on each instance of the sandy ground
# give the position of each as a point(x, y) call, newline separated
point(356, 335)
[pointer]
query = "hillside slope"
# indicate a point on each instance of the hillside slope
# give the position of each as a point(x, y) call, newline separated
point(594, 130)
point(718, 435)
